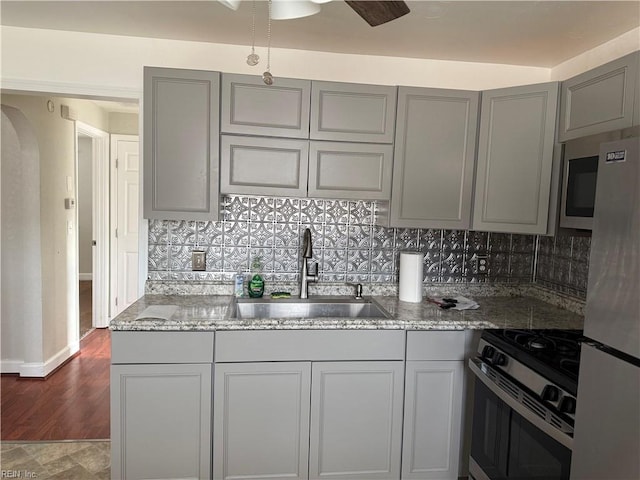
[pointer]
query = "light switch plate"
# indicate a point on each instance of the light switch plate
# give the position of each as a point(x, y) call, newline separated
point(198, 261)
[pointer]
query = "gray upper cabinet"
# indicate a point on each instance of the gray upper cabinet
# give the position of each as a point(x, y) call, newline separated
point(264, 166)
point(352, 112)
point(434, 158)
point(515, 159)
point(250, 107)
point(350, 170)
point(181, 144)
point(600, 100)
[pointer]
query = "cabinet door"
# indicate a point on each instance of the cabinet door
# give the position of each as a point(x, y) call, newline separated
point(261, 420)
point(515, 159)
point(360, 171)
point(353, 113)
point(264, 166)
point(434, 158)
point(356, 420)
point(599, 100)
point(181, 131)
point(432, 420)
point(161, 421)
point(250, 107)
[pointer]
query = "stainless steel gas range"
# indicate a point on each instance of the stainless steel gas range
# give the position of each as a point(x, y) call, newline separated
point(524, 404)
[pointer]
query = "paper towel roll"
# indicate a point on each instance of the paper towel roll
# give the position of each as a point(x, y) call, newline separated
point(410, 289)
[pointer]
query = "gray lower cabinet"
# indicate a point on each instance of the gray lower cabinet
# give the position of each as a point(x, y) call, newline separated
point(434, 158)
point(250, 107)
point(601, 100)
point(352, 112)
point(360, 171)
point(161, 421)
point(356, 420)
point(263, 166)
point(181, 144)
point(432, 416)
point(433, 405)
point(515, 159)
point(161, 401)
point(261, 420)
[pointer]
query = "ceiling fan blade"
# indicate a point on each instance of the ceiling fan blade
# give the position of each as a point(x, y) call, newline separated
point(379, 12)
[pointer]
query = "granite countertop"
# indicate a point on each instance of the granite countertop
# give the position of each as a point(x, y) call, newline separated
point(212, 312)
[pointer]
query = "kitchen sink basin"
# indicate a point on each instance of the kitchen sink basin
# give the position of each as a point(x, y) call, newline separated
point(308, 308)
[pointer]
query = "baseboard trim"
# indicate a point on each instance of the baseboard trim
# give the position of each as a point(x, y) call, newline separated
point(85, 277)
point(41, 369)
point(10, 366)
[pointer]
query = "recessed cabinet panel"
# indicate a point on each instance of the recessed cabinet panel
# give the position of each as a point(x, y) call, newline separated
point(515, 159)
point(356, 417)
point(264, 166)
point(434, 158)
point(161, 421)
point(432, 422)
point(350, 170)
point(181, 126)
point(261, 420)
point(599, 100)
point(253, 108)
point(352, 112)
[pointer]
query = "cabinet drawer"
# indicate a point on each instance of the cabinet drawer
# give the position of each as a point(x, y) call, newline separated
point(436, 345)
point(161, 347)
point(312, 345)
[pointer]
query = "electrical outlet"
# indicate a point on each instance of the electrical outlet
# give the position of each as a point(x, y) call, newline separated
point(482, 264)
point(198, 260)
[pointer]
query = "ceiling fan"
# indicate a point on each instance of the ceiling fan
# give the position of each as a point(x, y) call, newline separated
point(378, 12)
point(374, 12)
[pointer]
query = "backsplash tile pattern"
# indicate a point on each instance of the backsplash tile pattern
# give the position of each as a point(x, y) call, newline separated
point(563, 263)
point(347, 244)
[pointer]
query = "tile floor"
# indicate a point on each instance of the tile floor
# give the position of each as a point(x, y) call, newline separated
point(63, 460)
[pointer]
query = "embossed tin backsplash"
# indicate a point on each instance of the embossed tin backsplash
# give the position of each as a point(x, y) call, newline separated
point(563, 264)
point(348, 246)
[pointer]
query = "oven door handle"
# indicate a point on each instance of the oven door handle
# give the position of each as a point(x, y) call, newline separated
point(539, 423)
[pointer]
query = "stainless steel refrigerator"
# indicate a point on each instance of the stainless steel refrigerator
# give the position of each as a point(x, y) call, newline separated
point(607, 421)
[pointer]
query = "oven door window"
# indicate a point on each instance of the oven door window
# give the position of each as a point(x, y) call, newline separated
point(508, 447)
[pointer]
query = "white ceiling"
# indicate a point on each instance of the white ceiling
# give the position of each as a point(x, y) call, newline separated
point(541, 33)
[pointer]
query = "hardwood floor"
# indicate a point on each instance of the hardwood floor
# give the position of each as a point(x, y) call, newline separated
point(70, 404)
point(85, 306)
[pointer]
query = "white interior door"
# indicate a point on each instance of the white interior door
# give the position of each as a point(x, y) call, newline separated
point(125, 172)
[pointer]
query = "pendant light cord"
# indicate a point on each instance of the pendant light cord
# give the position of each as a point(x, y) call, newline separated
point(269, 40)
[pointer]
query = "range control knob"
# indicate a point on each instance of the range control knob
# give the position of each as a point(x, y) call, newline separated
point(567, 405)
point(487, 352)
point(550, 393)
point(499, 359)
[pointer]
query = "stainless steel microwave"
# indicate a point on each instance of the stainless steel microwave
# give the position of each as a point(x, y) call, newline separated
point(580, 174)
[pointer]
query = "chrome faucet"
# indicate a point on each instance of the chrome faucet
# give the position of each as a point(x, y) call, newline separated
point(305, 276)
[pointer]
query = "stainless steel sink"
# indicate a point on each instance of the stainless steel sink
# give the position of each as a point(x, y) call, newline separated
point(308, 308)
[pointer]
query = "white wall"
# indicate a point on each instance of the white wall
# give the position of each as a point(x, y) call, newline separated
point(123, 123)
point(21, 293)
point(58, 273)
point(85, 208)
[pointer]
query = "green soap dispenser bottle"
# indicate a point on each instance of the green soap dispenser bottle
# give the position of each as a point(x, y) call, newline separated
point(256, 284)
